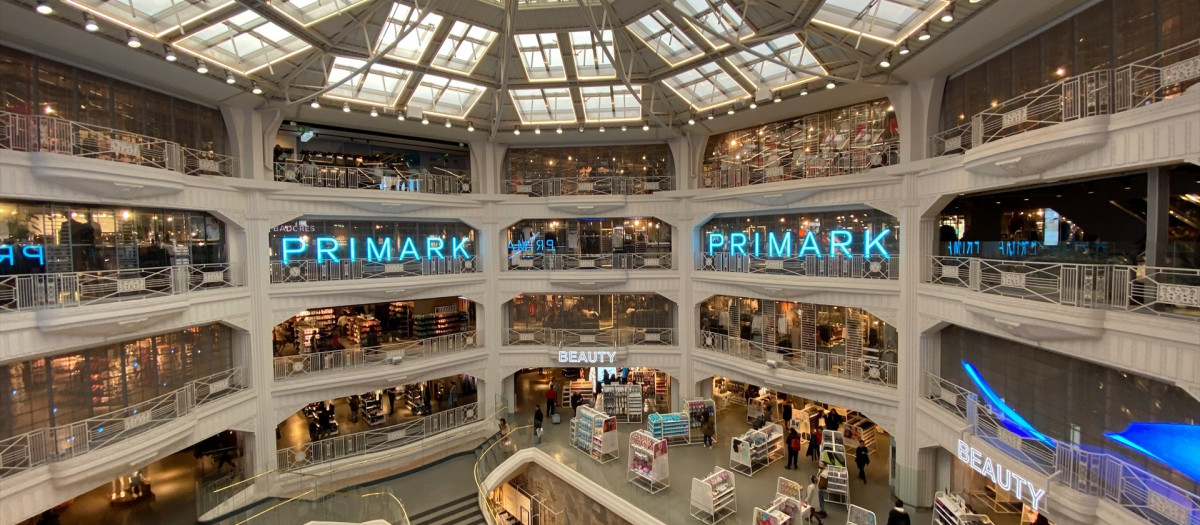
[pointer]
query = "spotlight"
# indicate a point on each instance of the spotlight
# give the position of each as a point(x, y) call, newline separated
point(601, 129)
point(89, 23)
point(374, 112)
point(346, 107)
point(830, 85)
point(516, 131)
point(448, 124)
point(948, 14)
point(731, 111)
point(314, 104)
point(399, 116)
point(778, 98)
point(691, 120)
point(710, 116)
point(470, 127)
point(230, 80)
point(170, 55)
point(201, 67)
point(753, 105)
point(537, 130)
point(645, 126)
point(903, 48)
point(624, 127)
point(425, 120)
point(258, 91)
point(44, 8)
point(804, 92)
point(887, 61)
point(132, 40)
point(924, 34)
point(581, 128)
point(558, 130)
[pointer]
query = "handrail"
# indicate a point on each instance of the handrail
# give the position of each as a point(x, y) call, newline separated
point(589, 261)
point(305, 270)
point(864, 369)
point(288, 367)
point(52, 444)
point(854, 267)
point(46, 134)
point(451, 182)
point(42, 291)
point(1166, 292)
point(1098, 92)
point(592, 337)
point(1093, 473)
point(553, 185)
point(808, 163)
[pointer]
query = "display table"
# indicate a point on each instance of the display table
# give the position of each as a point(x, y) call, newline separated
point(755, 449)
point(648, 467)
point(673, 427)
point(713, 497)
point(595, 432)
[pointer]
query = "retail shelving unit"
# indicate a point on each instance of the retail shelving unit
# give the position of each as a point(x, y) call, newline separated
point(435, 324)
point(595, 432)
point(862, 430)
point(856, 515)
point(373, 408)
point(950, 509)
point(400, 319)
point(624, 402)
point(364, 331)
point(713, 497)
point(697, 408)
point(316, 325)
point(755, 449)
point(648, 467)
point(838, 490)
point(584, 387)
point(672, 427)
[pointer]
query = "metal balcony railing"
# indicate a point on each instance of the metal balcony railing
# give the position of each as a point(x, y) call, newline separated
point(1101, 92)
point(1169, 292)
point(47, 445)
point(552, 185)
point(443, 182)
point(804, 164)
point(595, 261)
point(46, 134)
point(375, 440)
point(854, 267)
point(591, 337)
point(303, 271)
point(864, 369)
point(395, 353)
point(41, 291)
point(1093, 473)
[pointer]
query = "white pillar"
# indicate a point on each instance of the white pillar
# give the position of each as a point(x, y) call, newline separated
point(918, 109)
point(261, 354)
point(251, 138)
point(487, 167)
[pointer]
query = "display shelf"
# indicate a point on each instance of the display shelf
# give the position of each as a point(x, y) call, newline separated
point(862, 430)
point(734, 391)
point(363, 331)
point(673, 427)
point(582, 386)
point(623, 402)
point(833, 454)
point(713, 498)
point(755, 449)
point(437, 324)
point(400, 319)
point(856, 515)
point(838, 490)
point(595, 432)
point(951, 509)
point(697, 409)
point(648, 467)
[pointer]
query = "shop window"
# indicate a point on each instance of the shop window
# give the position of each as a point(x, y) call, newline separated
point(1093, 38)
point(158, 120)
point(55, 90)
point(16, 81)
point(95, 99)
point(1057, 53)
point(127, 107)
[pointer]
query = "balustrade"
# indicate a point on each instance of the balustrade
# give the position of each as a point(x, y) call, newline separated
point(391, 353)
point(42, 291)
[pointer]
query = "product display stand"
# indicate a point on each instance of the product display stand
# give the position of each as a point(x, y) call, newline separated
point(697, 409)
point(713, 497)
point(755, 449)
point(770, 516)
point(839, 485)
point(583, 387)
point(672, 427)
point(856, 515)
point(648, 461)
point(950, 509)
point(624, 402)
point(595, 432)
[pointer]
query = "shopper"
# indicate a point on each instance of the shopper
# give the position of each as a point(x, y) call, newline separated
point(786, 412)
point(451, 393)
point(576, 400)
point(794, 443)
point(551, 397)
point(898, 516)
point(833, 420)
point(810, 498)
point(538, 418)
point(709, 429)
point(354, 402)
point(504, 431)
point(862, 457)
point(822, 486)
point(814, 445)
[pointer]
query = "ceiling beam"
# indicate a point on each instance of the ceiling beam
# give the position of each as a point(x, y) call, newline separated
point(510, 15)
point(309, 36)
point(596, 34)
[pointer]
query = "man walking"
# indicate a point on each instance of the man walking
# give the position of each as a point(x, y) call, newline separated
point(551, 397)
point(822, 487)
point(794, 444)
point(862, 457)
point(898, 516)
point(537, 424)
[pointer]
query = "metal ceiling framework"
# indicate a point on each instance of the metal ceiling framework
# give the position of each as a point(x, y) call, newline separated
point(354, 32)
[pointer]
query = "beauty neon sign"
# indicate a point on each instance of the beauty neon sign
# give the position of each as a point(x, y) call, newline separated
point(839, 243)
point(372, 249)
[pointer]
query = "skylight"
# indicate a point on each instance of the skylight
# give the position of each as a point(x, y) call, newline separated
point(153, 18)
point(611, 103)
point(715, 17)
point(543, 106)
point(244, 42)
point(413, 45)
point(887, 21)
point(541, 56)
point(444, 97)
point(590, 60)
point(309, 12)
point(706, 86)
point(463, 48)
point(665, 38)
point(765, 73)
point(378, 85)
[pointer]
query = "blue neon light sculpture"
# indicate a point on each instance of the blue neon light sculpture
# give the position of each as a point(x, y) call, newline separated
point(1175, 445)
point(1011, 418)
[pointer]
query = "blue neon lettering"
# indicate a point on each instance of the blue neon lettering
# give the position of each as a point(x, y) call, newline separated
point(737, 243)
point(757, 252)
point(353, 250)
point(6, 253)
point(834, 244)
point(715, 240)
point(876, 242)
point(34, 251)
point(327, 247)
point(434, 245)
point(459, 246)
point(810, 244)
point(381, 252)
point(781, 249)
point(292, 246)
point(409, 248)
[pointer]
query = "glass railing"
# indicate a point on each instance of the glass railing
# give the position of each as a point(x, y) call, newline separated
point(305, 270)
point(1172, 292)
point(41, 291)
point(47, 445)
point(45, 134)
point(442, 181)
point(393, 353)
point(1093, 473)
point(553, 184)
point(591, 337)
point(590, 261)
point(854, 267)
point(830, 361)
point(1101, 92)
point(809, 163)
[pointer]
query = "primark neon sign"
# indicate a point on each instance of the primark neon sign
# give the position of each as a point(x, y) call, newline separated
point(372, 249)
point(782, 246)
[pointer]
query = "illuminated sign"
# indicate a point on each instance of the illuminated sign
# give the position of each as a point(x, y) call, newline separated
point(1005, 479)
point(534, 244)
point(590, 357)
point(8, 254)
point(783, 245)
point(372, 249)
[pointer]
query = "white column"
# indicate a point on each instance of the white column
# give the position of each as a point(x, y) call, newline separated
point(487, 167)
point(687, 152)
point(682, 245)
point(251, 137)
point(488, 253)
point(918, 109)
point(261, 354)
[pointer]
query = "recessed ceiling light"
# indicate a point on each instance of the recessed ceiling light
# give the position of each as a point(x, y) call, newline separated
point(258, 91)
point(89, 23)
point(804, 92)
point(581, 128)
point(44, 7)
point(710, 116)
point(346, 107)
